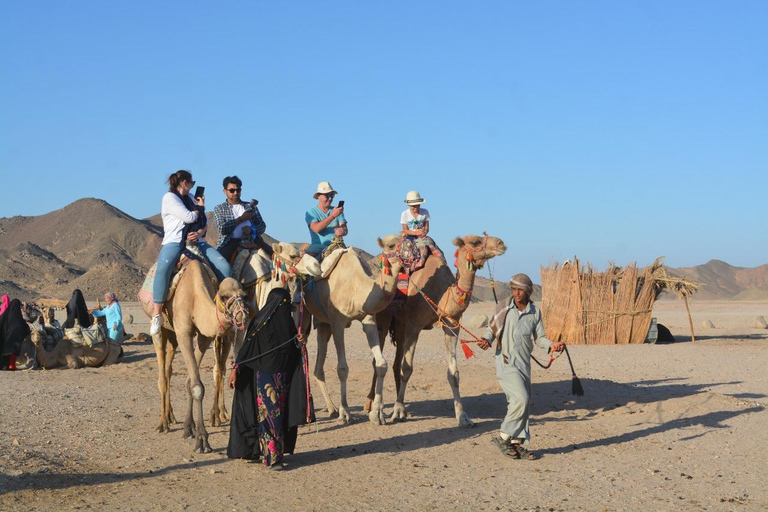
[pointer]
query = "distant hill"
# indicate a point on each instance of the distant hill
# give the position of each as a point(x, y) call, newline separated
point(93, 246)
point(724, 281)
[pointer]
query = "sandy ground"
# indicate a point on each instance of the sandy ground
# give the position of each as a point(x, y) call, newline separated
point(661, 427)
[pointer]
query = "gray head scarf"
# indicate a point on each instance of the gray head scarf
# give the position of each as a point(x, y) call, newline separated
point(523, 282)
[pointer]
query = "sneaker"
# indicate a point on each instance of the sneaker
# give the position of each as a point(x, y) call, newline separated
point(157, 323)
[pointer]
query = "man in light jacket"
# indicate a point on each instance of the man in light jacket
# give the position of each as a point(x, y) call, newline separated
point(515, 328)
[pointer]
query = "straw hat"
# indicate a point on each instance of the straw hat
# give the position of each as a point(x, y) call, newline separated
point(324, 187)
point(414, 197)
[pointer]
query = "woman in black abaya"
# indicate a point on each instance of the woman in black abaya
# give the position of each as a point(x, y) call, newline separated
point(271, 388)
point(13, 330)
point(76, 309)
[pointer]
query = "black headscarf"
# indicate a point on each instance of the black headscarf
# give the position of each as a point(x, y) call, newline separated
point(76, 308)
point(13, 329)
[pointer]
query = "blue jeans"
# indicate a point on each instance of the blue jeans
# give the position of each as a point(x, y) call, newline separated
point(169, 256)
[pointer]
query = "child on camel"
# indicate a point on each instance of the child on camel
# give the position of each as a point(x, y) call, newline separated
point(416, 244)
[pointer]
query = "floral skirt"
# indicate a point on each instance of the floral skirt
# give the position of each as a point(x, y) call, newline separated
point(270, 399)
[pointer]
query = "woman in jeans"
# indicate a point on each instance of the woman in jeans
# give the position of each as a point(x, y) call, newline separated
point(183, 222)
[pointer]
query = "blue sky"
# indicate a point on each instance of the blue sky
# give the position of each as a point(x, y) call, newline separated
point(613, 131)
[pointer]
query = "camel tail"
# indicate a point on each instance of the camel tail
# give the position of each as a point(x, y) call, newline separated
point(392, 330)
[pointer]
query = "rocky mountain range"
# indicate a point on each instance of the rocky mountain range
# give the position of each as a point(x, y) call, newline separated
point(93, 246)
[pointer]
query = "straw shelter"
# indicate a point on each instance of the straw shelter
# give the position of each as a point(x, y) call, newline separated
point(582, 306)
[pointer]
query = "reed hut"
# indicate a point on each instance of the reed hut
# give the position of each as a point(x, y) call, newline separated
point(582, 306)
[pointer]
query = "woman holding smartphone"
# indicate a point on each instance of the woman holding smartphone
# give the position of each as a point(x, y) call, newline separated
point(183, 222)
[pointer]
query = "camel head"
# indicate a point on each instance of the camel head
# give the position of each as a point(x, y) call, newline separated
point(293, 262)
point(230, 300)
point(390, 253)
point(36, 335)
point(476, 250)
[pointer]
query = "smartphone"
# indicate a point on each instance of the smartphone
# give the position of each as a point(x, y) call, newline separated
point(199, 191)
point(341, 204)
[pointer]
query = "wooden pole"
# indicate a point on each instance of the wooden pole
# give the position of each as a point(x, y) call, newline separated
point(690, 320)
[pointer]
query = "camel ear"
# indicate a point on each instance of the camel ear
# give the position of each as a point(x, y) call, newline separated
point(458, 242)
point(381, 242)
point(276, 247)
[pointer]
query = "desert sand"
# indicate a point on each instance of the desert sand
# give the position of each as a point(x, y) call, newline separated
point(675, 426)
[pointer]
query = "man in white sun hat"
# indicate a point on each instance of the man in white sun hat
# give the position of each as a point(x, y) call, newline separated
point(326, 223)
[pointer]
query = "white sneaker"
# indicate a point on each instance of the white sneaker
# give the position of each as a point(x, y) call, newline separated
point(157, 323)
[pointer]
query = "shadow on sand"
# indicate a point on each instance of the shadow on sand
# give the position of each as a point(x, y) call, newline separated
point(487, 411)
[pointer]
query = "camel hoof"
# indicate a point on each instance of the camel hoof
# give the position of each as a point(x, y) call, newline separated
point(345, 417)
point(377, 417)
point(368, 405)
point(203, 446)
point(398, 413)
point(465, 421)
point(333, 414)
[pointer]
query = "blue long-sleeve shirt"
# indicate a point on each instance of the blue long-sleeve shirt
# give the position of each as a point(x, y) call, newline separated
point(114, 316)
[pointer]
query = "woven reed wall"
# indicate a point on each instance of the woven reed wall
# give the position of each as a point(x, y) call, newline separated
point(581, 306)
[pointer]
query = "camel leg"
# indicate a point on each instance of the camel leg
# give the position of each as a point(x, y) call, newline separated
point(323, 336)
point(219, 413)
point(376, 414)
point(189, 428)
point(163, 385)
point(384, 320)
point(342, 369)
point(403, 368)
point(451, 342)
point(195, 390)
point(170, 352)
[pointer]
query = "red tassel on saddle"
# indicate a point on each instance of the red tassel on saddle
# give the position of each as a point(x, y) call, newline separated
point(467, 351)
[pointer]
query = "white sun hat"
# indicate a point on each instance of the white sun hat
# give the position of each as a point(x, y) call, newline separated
point(414, 197)
point(324, 187)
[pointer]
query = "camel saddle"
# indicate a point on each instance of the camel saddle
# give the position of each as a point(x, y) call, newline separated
point(191, 253)
point(330, 261)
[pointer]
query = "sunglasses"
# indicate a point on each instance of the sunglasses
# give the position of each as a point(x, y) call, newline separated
point(233, 190)
point(192, 183)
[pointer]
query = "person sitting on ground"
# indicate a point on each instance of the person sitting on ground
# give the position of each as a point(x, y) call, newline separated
point(515, 327)
point(326, 225)
point(114, 315)
point(239, 223)
point(184, 222)
point(415, 223)
point(77, 310)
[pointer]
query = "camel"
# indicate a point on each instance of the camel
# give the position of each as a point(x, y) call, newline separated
point(452, 295)
point(194, 308)
point(66, 353)
point(259, 276)
point(350, 293)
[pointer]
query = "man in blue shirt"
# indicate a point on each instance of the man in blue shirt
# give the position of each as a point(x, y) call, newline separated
point(325, 223)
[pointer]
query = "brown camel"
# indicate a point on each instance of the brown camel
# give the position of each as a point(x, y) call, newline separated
point(67, 354)
point(351, 293)
point(452, 295)
point(195, 308)
point(258, 276)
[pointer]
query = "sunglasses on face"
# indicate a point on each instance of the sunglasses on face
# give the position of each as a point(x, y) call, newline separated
point(233, 190)
point(192, 183)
